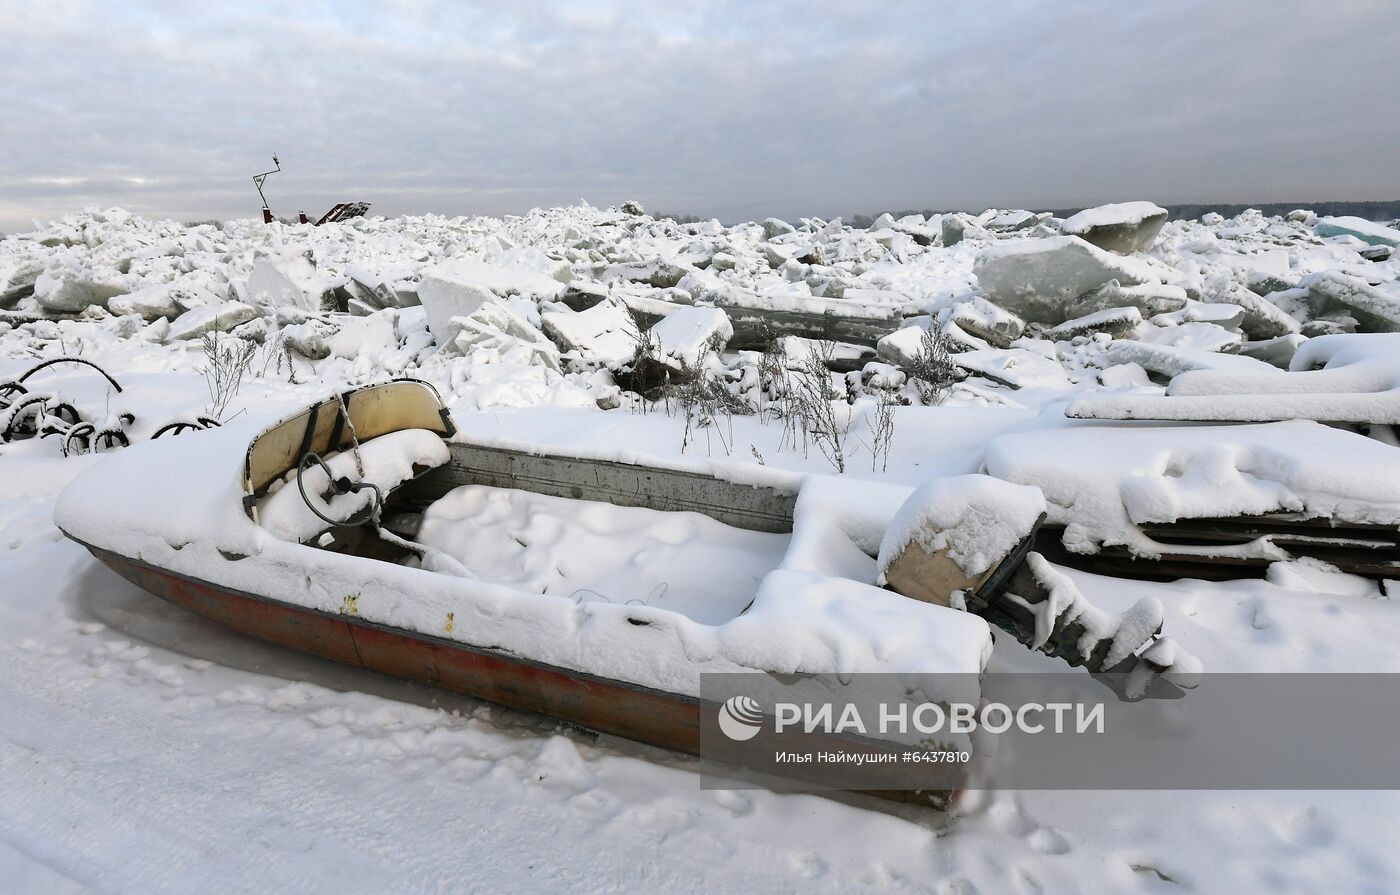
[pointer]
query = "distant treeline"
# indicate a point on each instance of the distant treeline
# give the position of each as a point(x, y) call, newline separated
point(1375, 210)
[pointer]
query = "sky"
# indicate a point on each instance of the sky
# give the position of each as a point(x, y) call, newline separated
point(738, 110)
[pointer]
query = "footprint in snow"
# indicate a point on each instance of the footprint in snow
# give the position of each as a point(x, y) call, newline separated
point(1049, 842)
point(810, 866)
point(326, 717)
point(1010, 818)
point(737, 803)
point(559, 764)
point(595, 804)
point(1026, 881)
point(1307, 828)
point(663, 821)
point(1261, 620)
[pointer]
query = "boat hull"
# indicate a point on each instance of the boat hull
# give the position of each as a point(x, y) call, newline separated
point(639, 713)
point(650, 716)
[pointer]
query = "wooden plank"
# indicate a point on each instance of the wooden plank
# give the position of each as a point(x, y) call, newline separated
point(758, 508)
point(1289, 522)
point(1369, 561)
point(1183, 535)
point(756, 325)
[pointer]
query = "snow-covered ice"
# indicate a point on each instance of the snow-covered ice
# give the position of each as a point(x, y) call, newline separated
point(1154, 474)
point(1336, 378)
point(1037, 278)
point(145, 749)
point(1123, 227)
point(1362, 229)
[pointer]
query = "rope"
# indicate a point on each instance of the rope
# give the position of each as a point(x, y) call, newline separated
point(656, 593)
point(354, 439)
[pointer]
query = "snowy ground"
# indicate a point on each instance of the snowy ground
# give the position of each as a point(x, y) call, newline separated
point(143, 749)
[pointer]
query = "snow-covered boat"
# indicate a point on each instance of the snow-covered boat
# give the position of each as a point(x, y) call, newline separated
point(241, 547)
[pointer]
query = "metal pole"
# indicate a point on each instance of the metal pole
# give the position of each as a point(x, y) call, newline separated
point(258, 182)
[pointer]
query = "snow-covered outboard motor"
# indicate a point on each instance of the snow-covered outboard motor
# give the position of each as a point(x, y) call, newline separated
point(965, 542)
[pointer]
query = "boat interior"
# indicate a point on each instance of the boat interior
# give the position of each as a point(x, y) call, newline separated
point(579, 527)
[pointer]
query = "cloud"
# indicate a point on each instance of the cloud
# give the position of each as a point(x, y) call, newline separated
point(726, 108)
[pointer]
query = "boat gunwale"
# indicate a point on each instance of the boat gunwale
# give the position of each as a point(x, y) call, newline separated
point(354, 620)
